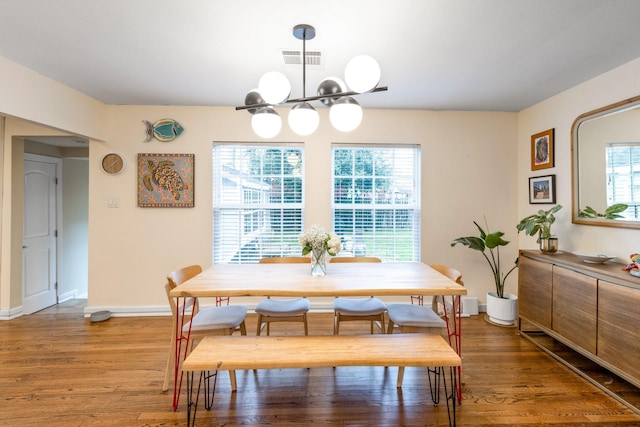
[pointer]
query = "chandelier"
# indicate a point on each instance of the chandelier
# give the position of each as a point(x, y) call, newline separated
point(362, 74)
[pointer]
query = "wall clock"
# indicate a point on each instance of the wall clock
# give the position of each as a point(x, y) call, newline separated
point(112, 164)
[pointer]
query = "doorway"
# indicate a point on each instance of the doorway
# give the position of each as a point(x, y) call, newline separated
point(72, 249)
point(40, 231)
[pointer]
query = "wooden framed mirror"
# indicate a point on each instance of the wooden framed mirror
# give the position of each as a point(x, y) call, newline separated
point(605, 163)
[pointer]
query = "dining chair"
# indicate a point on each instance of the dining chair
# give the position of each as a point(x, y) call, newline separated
point(436, 319)
point(219, 320)
point(283, 310)
point(370, 309)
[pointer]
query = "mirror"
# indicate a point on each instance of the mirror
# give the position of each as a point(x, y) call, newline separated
point(605, 146)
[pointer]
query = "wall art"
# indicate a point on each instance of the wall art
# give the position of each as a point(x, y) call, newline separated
point(542, 150)
point(164, 130)
point(165, 180)
point(542, 189)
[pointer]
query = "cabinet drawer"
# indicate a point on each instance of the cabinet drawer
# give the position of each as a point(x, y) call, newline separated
point(575, 300)
point(618, 332)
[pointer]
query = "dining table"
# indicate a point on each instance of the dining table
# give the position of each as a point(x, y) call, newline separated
point(384, 279)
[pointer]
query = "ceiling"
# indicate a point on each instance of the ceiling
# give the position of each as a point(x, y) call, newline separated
point(489, 55)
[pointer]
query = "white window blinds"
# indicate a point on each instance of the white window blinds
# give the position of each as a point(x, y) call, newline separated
point(258, 201)
point(623, 177)
point(376, 200)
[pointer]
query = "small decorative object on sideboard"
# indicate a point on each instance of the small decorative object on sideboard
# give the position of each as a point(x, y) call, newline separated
point(634, 266)
point(540, 223)
point(594, 258)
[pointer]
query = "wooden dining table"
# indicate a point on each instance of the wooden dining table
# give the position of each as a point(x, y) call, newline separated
point(295, 280)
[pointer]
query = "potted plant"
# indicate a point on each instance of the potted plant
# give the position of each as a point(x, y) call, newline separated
point(540, 224)
point(502, 308)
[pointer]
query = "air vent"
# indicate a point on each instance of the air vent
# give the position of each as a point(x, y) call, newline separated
point(294, 57)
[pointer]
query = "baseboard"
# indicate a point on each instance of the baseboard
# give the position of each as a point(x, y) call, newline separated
point(12, 313)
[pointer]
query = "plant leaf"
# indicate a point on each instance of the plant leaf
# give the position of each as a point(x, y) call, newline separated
point(472, 242)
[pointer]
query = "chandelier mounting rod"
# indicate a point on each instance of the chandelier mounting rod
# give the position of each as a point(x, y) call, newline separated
point(312, 98)
point(304, 32)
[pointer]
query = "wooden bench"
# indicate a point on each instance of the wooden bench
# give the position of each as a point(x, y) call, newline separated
point(215, 353)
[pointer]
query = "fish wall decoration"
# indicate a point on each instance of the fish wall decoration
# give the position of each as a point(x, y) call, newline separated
point(163, 130)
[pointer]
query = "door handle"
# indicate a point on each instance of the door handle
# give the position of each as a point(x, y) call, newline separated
point(24, 247)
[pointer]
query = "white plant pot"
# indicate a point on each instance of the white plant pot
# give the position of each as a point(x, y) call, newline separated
point(503, 311)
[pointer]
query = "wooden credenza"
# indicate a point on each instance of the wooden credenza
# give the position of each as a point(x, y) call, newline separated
point(592, 308)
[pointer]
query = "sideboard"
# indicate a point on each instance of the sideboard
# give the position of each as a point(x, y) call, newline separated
point(594, 309)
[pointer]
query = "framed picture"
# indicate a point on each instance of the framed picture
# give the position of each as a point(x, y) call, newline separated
point(542, 189)
point(165, 180)
point(542, 150)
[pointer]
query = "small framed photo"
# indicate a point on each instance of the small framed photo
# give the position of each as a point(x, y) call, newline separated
point(542, 189)
point(165, 180)
point(542, 150)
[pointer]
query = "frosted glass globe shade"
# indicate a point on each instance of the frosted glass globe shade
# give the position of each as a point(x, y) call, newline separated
point(345, 114)
point(266, 122)
point(274, 87)
point(362, 74)
point(303, 119)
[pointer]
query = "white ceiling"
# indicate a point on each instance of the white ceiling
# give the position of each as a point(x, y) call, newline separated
point(494, 55)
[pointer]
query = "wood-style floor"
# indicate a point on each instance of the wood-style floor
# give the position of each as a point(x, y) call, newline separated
point(59, 369)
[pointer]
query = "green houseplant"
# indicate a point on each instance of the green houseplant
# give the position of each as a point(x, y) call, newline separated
point(612, 212)
point(540, 224)
point(488, 244)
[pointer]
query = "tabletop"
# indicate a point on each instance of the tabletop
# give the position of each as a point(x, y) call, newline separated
point(342, 279)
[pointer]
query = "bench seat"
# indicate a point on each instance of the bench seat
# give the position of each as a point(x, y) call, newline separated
point(275, 352)
point(215, 353)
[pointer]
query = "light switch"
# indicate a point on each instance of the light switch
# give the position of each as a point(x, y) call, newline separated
point(113, 202)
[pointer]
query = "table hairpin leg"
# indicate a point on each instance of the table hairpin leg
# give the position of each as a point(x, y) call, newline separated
point(181, 339)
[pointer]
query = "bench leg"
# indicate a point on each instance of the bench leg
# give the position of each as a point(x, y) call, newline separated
point(209, 391)
point(452, 394)
point(192, 397)
point(434, 384)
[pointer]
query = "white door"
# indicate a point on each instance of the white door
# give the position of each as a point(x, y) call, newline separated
point(39, 256)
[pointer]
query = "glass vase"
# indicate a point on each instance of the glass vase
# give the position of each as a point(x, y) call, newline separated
point(319, 262)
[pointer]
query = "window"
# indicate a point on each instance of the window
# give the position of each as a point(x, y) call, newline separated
point(623, 177)
point(376, 200)
point(257, 201)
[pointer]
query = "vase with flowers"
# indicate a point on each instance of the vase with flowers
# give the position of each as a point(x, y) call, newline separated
point(319, 243)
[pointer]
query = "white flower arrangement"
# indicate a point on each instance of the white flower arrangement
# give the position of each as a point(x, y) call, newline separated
point(317, 238)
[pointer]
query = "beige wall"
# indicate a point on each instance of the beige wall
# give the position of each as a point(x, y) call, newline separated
point(476, 165)
point(467, 172)
point(559, 112)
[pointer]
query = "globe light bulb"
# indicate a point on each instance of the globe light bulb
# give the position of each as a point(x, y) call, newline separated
point(303, 119)
point(274, 87)
point(266, 122)
point(362, 73)
point(345, 114)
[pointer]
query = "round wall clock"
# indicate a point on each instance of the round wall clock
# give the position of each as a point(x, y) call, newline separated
point(112, 164)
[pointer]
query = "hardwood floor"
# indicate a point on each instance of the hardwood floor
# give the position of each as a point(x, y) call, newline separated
point(59, 369)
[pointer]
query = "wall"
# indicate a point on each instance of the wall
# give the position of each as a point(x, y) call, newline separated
point(559, 112)
point(74, 282)
point(467, 174)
